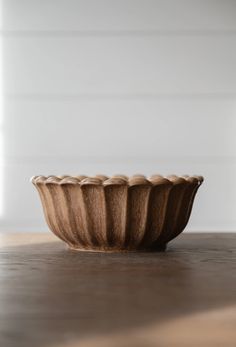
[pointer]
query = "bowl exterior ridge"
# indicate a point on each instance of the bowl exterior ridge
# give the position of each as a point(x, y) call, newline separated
point(119, 212)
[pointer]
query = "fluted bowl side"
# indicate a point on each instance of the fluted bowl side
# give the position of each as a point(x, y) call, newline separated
point(117, 213)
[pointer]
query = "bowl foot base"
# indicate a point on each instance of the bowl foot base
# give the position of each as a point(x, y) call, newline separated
point(160, 248)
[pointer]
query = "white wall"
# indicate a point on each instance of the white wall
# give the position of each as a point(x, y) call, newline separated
point(118, 86)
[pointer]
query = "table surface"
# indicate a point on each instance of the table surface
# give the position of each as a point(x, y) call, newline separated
point(51, 296)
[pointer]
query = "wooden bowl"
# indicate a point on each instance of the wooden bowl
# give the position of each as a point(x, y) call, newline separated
point(117, 213)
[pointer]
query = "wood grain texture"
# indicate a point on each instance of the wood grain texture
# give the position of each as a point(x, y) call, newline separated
point(117, 213)
point(51, 296)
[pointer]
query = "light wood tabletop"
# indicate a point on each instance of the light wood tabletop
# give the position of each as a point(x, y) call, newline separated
point(51, 296)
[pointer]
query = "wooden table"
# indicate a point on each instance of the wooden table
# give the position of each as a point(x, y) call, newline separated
point(52, 297)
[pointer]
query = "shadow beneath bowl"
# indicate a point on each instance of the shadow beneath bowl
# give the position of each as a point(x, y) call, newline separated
point(51, 295)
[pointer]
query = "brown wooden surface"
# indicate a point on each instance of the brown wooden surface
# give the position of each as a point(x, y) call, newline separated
point(52, 296)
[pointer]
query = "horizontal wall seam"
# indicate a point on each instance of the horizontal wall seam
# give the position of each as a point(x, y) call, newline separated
point(117, 96)
point(112, 33)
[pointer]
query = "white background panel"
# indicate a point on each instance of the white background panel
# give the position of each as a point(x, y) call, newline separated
point(120, 65)
point(108, 86)
point(118, 15)
point(120, 128)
